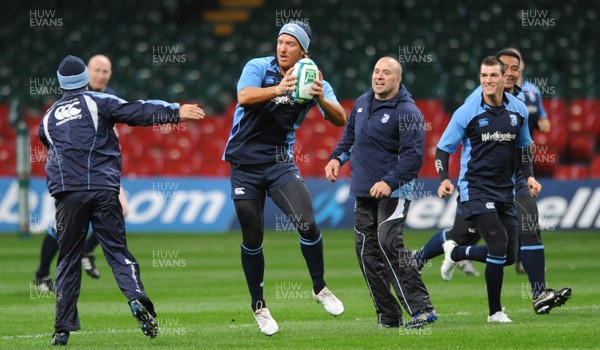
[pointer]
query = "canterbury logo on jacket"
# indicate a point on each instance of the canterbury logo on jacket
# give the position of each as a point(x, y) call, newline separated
point(83, 149)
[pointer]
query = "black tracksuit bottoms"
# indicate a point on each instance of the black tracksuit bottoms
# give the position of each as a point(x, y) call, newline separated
point(74, 212)
point(385, 261)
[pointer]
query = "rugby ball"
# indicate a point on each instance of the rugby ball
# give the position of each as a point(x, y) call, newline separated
point(307, 72)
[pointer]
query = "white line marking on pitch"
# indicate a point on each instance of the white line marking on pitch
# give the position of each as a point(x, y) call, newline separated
point(49, 334)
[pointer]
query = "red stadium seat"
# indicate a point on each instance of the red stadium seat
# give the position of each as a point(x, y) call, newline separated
point(584, 115)
point(428, 170)
point(581, 146)
point(587, 105)
point(557, 137)
point(347, 105)
point(4, 109)
point(545, 160)
point(557, 113)
point(430, 107)
point(344, 171)
point(571, 172)
point(595, 169)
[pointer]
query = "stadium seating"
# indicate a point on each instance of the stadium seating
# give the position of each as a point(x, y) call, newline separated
point(347, 40)
point(571, 172)
point(595, 168)
point(195, 148)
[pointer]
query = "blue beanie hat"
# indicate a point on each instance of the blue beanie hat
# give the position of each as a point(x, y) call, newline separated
point(72, 73)
point(300, 31)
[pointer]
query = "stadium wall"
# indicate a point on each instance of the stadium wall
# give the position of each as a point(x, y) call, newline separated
point(203, 205)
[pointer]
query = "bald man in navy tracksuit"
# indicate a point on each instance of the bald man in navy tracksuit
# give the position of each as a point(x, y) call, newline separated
point(384, 141)
point(83, 174)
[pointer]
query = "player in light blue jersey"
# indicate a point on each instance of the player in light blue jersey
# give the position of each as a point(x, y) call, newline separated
point(492, 128)
point(531, 257)
point(260, 151)
point(531, 248)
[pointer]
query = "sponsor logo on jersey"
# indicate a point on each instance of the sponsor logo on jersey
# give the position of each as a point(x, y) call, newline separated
point(438, 166)
point(239, 191)
point(498, 136)
point(385, 118)
point(359, 110)
point(269, 79)
point(283, 99)
point(483, 122)
point(67, 112)
point(490, 205)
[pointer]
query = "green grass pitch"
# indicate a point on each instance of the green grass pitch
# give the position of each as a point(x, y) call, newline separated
point(197, 285)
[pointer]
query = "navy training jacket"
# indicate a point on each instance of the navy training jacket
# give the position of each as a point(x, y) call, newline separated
point(83, 149)
point(383, 144)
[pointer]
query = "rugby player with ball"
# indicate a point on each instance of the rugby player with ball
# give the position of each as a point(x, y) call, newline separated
point(271, 106)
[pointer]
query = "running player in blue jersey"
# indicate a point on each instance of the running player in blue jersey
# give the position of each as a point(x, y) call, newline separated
point(531, 247)
point(260, 151)
point(492, 127)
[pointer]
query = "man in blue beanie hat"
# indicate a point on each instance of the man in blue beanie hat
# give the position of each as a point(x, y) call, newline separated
point(99, 71)
point(260, 150)
point(83, 173)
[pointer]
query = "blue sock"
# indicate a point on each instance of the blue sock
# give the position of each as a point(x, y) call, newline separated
point(431, 249)
point(475, 253)
point(253, 263)
point(313, 254)
point(534, 264)
point(494, 274)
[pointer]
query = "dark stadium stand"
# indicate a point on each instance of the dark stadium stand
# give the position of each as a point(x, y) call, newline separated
point(348, 38)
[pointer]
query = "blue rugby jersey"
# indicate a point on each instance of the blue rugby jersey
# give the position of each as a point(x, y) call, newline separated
point(262, 132)
point(489, 137)
point(531, 96)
